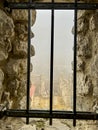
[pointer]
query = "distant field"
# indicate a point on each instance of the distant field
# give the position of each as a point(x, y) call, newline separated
point(43, 103)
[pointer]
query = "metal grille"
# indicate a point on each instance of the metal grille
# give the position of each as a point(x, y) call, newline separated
point(51, 114)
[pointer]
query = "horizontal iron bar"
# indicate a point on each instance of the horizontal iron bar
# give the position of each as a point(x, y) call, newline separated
point(46, 114)
point(66, 6)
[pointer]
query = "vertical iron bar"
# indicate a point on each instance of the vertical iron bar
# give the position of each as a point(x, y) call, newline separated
point(28, 62)
point(51, 61)
point(75, 64)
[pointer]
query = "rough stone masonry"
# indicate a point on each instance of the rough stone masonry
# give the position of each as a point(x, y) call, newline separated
point(13, 60)
point(13, 55)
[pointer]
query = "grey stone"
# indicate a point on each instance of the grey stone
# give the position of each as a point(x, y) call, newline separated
point(9, 127)
point(57, 125)
point(28, 127)
point(93, 23)
point(84, 49)
point(80, 65)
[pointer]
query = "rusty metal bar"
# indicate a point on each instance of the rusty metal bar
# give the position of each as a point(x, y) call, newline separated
point(46, 114)
point(65, 6)
point(28, 62)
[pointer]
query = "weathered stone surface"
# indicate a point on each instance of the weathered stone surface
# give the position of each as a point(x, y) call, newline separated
point(28, 127)
point(14, 28)
point(83, 13)
point(82, 25)
point(85, 86)
point(87, 78)
point(57, 125)
point(95, 88)
point(5, 43)
point(9, 127)
point(93, 23)
point(84, 49)
point(6, 35)
point(1, 76)
point(22, 16)
point(94, 68)
point(15, 87)
point(13, 53)
point(20, 49)
point(22, 31)
point(17, 67)
point(1, 81)
point(3, 54)
point(22, 103)
point(87, 81)
point(6, 25)
point(80, 65)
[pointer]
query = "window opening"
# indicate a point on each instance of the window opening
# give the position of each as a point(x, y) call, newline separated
point(45, 113)
point(41, 61)
point(63, 57)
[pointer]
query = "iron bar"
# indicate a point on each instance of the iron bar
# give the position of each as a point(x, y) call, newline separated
point(51, 62)
point(65, 6)
point(50, 113)
point(75, 64)
point(28, 62)
point(46, 114)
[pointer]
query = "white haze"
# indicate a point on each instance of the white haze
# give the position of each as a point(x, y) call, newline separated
point(63, 41)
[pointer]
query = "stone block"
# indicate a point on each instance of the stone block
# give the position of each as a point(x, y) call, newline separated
point(95, 90)
point(28, 127)
point(1, 75)
point(3, 54)
point(20, 49)
point(17, 67)
point(6, 25)
point(84, 48)
point(82, 25)
point(80, 65)
point(94, 67)
point(6, 35)
point(16, 87)
point(84, 85)
point(21, 16)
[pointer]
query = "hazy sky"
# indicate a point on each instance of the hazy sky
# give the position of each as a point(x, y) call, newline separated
point(63, 40)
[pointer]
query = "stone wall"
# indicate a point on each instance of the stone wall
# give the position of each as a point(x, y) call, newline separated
point(87, 60)
point(13, 60)
point(13, 55)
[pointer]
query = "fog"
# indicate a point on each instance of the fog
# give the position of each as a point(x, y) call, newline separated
point(63, 41)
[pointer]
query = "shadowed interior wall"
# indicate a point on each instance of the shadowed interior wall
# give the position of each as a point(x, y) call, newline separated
point(13, 56)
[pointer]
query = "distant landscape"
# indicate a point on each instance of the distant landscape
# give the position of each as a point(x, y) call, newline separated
point(63, 57)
